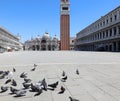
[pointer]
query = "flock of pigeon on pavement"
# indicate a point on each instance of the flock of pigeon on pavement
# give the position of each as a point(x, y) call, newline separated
point(39, 87)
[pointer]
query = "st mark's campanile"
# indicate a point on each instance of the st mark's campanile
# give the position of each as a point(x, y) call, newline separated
point(65, 24)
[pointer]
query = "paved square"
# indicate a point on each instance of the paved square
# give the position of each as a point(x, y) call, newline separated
point(99, 78)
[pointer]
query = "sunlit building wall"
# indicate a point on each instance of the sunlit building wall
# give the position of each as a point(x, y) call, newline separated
point(9, 42)
point(102, 35)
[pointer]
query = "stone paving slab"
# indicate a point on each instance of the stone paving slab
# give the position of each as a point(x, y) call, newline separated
point(98, 81)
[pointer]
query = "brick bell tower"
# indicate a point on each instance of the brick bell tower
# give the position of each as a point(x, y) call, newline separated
point(65, 25)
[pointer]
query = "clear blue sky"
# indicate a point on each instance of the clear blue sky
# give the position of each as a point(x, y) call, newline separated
point(34, 17)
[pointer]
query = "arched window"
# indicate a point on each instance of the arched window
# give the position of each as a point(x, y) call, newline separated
point(43, 41)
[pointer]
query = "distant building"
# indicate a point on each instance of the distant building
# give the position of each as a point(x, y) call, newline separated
point(9, 42)
point(42, 43)
point(72, 43)
point(102, 35)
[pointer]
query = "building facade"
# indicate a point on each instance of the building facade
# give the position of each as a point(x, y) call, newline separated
point(72, 43)
point(9, 42)
point(65, 25)
point(102, 35)
point(45, 43)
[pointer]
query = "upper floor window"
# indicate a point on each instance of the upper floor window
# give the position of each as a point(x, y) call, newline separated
point(110, 32)
point(114, 30)
point(107, 21)
point(65, 8)
point(106, 33)
point(98, 25)
point(115, 17)
point(111, 19)
point(100, 35)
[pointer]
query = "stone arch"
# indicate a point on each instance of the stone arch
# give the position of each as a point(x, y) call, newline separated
point(43, 44)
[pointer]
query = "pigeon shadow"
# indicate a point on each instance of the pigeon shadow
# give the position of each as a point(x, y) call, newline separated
point(11, 93)
point(2, 91)
point(60, 92)
point(16, 96)
point(37, 94)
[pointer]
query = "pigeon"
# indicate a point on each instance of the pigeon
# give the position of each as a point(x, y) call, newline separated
point(35, 65)
point(9, 80)
point(39, 91)
point(63, 73)
point(62, 90)
point(33, 69)
point(13, 90)
point(54, 85)
point(14, 83)
point(6, 73)
point(44, 84)
point(23, 75)
point(27, 80)
point(1, 72)
point(77, 72)
point(72, 99)
point(3, 89)
point(10, 75)
point(2, 76)
point(20, 93)
point(26, 85)
point(64, 79)
point(40, 82)
point(34, 88)
point(14, 70)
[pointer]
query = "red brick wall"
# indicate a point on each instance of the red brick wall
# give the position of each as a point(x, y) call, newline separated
point(65, 32)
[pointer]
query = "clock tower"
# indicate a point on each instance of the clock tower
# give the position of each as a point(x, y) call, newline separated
point(65, 25)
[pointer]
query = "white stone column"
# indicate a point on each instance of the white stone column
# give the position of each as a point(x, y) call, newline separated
point(112, 32)
point(118, 15)
point(105, 34)
point(117, 30)
point(108, 33)
point(108, 20)
point(94, 37)
point(102, 35)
